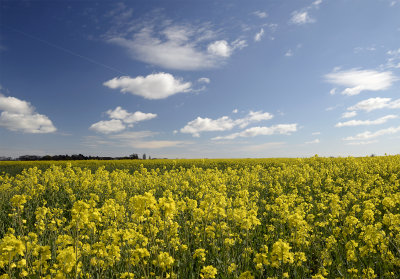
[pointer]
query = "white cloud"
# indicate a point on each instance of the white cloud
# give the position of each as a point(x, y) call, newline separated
point(349, 114)
point(118, 113)
point(176, 47)
point(195, 127)
point(239, 44)
point(109, 126)
point(301, 17)
point(19, 115)
point(130, 118)
point(155, 144)
point(375, 103)
point(119, 119)
point(220, 48)
point(12, 104)
point(133, 135)
point(316, 133)
point(235, 111)
point(394, 59)
point(137, 139)
point(370, 135)
point(252, 117)
point(204, 80)
point(285, 129)
point(361, 142)
point(357, 80)
point(153, 86)
point(332, 91)
point(259, 35)
point(289, 53)
point(363, 49)
point(378, 121)
point(394, 2)
point(317, 2)
point(260, 14)
point(263, 146)
point(313, 141)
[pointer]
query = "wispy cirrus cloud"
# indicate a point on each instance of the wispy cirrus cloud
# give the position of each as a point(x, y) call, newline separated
point(349, 114)
point(259, 35)
point(315, 141)
point(260, 14)
point(362, 142)
point(375, 103)
point(394, 59)
point(132, 139)
point(285, 129)
point(356, 80)
point(378, 121)
point(370, 135)
point(20, 116)
point(178, 46)
point(303, 16)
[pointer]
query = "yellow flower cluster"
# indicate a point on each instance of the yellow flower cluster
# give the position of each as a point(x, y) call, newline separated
point(277, 218)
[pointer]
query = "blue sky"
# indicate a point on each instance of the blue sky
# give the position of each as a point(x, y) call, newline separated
point(200, 79)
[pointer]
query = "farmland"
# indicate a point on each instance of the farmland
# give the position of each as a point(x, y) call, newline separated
point(242, 218)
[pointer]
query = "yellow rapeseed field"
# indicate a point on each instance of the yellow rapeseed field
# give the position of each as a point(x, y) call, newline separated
point(283, 218)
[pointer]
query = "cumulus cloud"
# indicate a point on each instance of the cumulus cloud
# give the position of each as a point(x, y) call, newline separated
point(378, 121)
point(220, 48)
point(109, 126)
point(259, 35)
point(375, 103)
point(356, 80)
point(126, 117)
point(285, 129)
point(349, 114)
point(120, 120)
point(20, 116)
point(225, 123)
point(370, 135)
point(260, 14)
point(152, 87)
point(195, 127)
point(179, 47)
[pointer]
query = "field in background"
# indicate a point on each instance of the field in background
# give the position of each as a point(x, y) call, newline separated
point(249, 218)
point(15, 167)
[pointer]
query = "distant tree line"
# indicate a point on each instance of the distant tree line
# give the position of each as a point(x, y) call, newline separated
point(73, 157)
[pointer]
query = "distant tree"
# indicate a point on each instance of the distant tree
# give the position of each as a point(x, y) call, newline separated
point(134, 156)
point(149, 157)
point(144, 156)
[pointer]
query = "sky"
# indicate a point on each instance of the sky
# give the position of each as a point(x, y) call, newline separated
point(200, 79)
